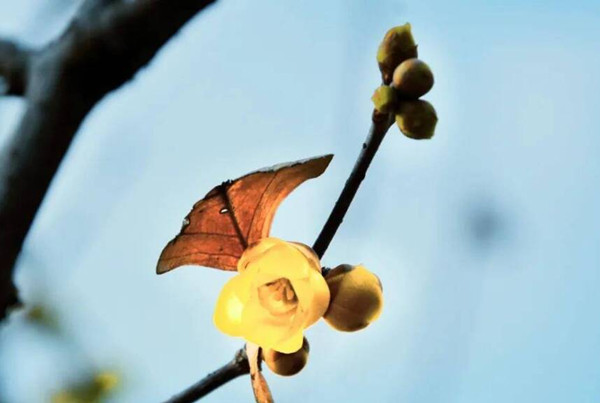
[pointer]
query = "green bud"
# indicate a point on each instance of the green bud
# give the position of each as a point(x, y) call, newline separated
point(43, 316)
point(385, 99)
point(413, 78)
point(398, 45)
point(416, 119)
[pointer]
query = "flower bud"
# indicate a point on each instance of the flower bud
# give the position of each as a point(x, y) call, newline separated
point(356, 298)
point(287, 364)
point(416, 119)
point(413, 78)
point(385, 99)
point(398, 45)
point(106, 381)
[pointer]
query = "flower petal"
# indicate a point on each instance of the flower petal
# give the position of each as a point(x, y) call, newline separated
point(230, 305)
point(290, 345)
point(310, 255)
point(262, 328)
point(313, 296)
point(255, 250)
point(282, 261)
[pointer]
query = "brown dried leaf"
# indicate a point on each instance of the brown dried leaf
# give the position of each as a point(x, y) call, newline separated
point(235, 214)
point(260, 387)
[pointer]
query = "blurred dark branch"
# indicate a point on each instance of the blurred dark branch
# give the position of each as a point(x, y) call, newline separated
point(107, 42)
point(91, 7)
point(236, 367)
point(14, 62)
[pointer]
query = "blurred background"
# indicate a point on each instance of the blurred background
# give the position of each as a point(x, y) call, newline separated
point(486, 238)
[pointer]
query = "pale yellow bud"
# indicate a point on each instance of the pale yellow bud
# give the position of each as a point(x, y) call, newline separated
point(356, 298)
point(413, 78)
point(384, 99)
point(287, 364)
point(417, 119)
point(398, 45)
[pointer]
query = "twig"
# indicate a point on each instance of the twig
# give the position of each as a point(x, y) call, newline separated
point(379, 127)
point(14, 62)
point(237, 367)
point(107, 42)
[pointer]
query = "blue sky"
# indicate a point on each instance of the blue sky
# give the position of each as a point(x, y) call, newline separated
point(485, 238)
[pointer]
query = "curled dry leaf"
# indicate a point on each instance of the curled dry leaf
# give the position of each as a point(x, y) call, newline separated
point(235, 214)
point(260, 387)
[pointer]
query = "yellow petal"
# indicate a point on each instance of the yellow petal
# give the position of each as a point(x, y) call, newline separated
point(260, 327)
point(311, 256)
point(230, 305)
point(282, 261)
point(313, 297)
point(290, 345)
point(255, 250)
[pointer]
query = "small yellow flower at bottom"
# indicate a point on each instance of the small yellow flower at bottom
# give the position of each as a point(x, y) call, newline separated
point(287, 364)
point(278, 292)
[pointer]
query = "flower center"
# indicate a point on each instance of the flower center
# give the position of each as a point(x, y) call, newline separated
point(278, 297)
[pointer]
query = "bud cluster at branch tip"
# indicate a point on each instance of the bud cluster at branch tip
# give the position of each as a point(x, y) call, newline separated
point(405, 79)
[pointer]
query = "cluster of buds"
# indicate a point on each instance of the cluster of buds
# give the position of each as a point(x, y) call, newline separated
point(281, 290)
point(356, 301)
point(405, 79)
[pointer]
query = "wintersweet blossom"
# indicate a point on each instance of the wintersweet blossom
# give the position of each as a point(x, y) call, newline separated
point(278, 292)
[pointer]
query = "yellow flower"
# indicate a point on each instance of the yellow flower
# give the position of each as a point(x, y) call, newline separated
point(278, 293)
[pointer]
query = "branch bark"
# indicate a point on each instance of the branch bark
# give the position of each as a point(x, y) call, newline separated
point(236, 367)
point(379, 127)
point(14, 63)
point(104, 46)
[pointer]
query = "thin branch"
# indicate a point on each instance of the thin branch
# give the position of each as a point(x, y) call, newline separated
point(237, 367)
point(14, 62)
point(107, 42)
point(379, 127)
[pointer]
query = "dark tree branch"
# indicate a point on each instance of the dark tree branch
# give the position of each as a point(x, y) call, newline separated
point(238, 366)
point(14, 62)
point(91, 8)
point(380, 126)
point(105, 45)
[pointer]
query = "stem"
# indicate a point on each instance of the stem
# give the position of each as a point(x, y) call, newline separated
point(379, 127)
point(236, 367)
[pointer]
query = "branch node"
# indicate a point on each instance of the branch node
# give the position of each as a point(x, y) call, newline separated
point(14, 65)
